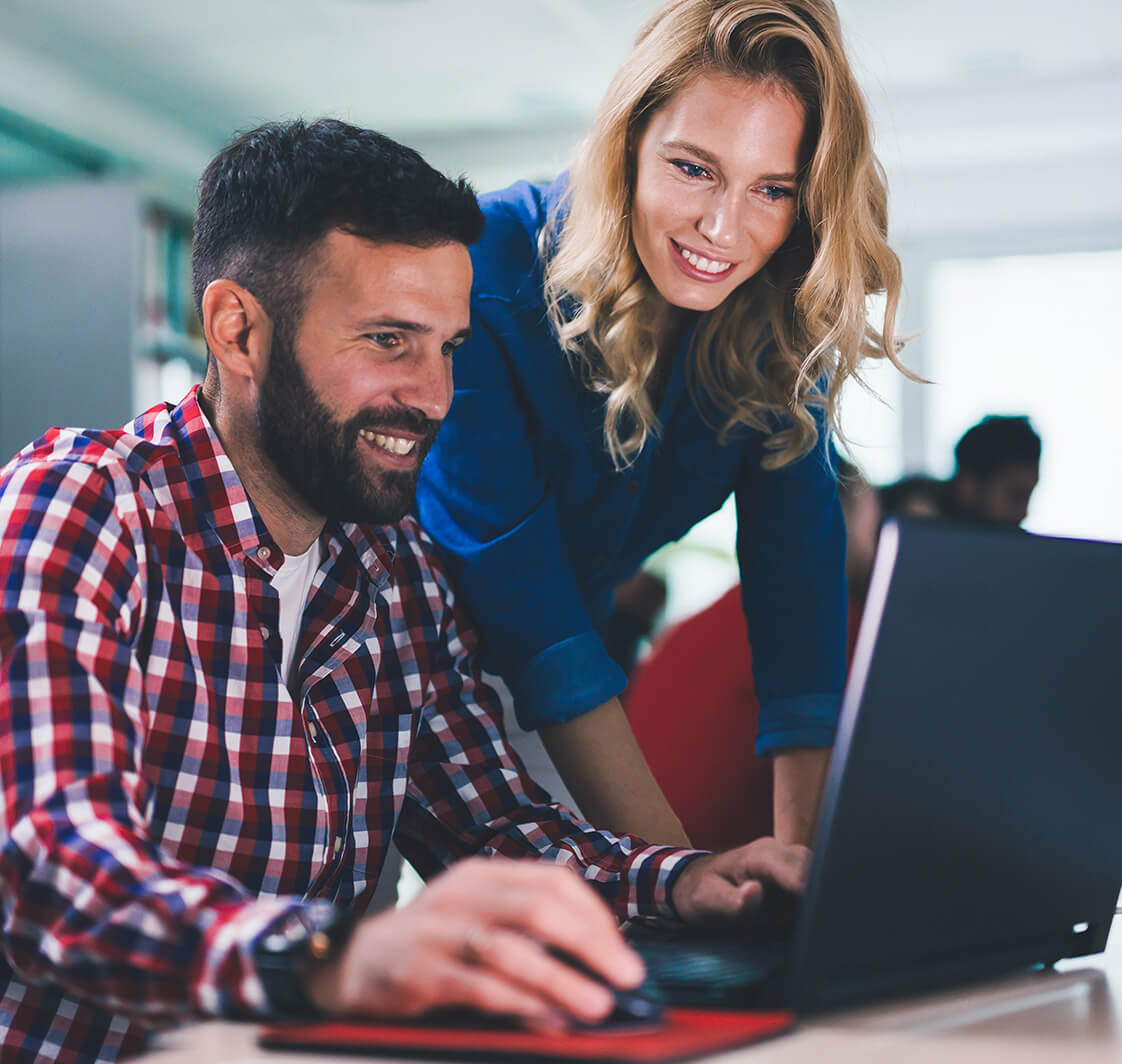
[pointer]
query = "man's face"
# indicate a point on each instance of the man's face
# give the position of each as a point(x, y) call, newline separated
point(351, 404)
point(1002, 498)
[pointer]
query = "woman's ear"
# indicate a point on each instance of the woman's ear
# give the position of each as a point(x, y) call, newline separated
point(237, 329)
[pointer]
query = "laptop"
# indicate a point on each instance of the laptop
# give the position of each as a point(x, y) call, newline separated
point(971, 822)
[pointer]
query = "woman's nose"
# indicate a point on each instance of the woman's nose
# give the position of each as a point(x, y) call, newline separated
point(720, 222)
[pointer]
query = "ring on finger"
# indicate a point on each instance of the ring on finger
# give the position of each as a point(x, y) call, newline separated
point(474, 949)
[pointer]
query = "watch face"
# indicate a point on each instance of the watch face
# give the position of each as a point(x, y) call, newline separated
point(297, 930)
point(311, 933)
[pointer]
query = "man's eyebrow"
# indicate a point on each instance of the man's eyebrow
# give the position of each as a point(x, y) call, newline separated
point(401, 325)
point(710, 159)
point(396, 323)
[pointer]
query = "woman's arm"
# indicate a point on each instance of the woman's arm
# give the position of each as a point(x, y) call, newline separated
point(598, 758)
point(791, 548)
point(797, 789)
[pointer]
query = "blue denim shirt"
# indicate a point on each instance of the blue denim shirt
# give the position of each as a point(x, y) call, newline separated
point(539, 527)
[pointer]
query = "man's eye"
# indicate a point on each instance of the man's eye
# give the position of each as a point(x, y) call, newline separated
point(449, 349)
point(690, 169)
point(387, 341)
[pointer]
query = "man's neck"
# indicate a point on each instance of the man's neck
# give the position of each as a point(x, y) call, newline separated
point(292, 525)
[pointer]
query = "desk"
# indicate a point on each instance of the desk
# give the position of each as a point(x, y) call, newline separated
point(1073, 1016)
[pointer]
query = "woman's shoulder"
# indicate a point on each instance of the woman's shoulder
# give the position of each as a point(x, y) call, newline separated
point(507, 263)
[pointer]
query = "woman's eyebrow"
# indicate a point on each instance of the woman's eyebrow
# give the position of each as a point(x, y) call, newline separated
point(692, 149)
point(711, 160)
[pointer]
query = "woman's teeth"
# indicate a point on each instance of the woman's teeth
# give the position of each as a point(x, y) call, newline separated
point(700, 262)
point(398, 445)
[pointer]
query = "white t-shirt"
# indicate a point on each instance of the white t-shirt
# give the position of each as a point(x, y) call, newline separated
point(292, 582)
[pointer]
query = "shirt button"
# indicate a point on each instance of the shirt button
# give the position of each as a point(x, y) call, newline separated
point(264, 633)
point(313, 733)
point(263, 553)
point(338, 845)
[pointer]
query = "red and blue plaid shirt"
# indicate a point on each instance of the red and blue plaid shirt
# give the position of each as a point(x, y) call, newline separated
point(166, 796)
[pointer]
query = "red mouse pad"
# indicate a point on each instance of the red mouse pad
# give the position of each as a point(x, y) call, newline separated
point(684, 1034)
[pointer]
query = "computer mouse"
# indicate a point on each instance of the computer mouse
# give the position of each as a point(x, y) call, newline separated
point(633, 1010)
point(640, 1007)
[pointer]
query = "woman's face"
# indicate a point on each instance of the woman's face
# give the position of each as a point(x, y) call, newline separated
point(715, 188)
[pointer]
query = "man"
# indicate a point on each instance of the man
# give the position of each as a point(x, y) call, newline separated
point(231, 667)
point(997, 466)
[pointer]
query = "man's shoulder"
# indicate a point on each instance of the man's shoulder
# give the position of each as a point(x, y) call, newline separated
point(117, 461)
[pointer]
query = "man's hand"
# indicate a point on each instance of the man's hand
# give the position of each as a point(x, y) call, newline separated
point(724, 887)
point(480, 937)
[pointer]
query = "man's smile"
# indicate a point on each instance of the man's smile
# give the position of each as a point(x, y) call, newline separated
point(399, 446)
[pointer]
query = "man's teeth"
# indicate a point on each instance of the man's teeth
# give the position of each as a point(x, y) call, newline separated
point(394, 444)
point(700, 262)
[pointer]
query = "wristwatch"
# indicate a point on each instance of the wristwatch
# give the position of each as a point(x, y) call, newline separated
point(289, 946)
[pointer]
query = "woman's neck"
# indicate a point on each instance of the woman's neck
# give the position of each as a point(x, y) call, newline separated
point(669, 325)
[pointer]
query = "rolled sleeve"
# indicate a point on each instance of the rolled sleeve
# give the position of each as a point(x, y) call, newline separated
point(802, 721)
point(564, 681)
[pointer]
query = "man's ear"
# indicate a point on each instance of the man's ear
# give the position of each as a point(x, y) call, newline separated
point(238, 331)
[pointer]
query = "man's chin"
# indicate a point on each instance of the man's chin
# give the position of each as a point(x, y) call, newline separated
point(387, 507)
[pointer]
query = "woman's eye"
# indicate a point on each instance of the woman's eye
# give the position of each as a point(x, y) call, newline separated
point(690, 169)
point(777, 192)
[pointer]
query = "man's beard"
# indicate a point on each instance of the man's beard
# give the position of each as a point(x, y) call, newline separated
point(318, 456)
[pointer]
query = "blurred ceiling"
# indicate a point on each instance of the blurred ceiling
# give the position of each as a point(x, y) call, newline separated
point(502, 88)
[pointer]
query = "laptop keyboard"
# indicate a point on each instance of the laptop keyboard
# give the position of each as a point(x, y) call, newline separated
point(686, 969)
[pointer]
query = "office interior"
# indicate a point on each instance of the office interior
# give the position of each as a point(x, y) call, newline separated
point(998, 128)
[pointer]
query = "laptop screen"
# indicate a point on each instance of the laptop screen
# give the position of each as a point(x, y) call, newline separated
point(972, 818)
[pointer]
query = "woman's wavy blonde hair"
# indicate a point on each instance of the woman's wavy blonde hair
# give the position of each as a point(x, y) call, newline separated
point(810, 299)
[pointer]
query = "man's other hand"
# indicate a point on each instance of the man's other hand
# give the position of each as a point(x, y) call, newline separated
point(480, 936)
point(723, 887)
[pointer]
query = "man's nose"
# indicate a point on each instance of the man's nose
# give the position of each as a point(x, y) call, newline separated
point(427, 383)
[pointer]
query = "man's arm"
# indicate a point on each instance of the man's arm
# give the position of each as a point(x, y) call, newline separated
point(600, 761)
point(91, 904)
point(468, 792)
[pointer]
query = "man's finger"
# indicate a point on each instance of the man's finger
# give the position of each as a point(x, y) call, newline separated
point(459, 985)
point(557, 909)
point(525, 963)
point(716, 898)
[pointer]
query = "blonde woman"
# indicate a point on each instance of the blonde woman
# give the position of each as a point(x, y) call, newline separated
point(668, 324)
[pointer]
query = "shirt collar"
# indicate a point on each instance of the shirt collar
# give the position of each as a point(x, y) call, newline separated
point(220, 500)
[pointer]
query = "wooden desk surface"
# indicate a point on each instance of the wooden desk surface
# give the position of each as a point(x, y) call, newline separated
point(1073, 1015)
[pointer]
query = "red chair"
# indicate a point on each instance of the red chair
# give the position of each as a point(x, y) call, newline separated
point(692, 705)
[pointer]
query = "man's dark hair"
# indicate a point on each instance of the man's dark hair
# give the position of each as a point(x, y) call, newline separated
point(915, 489)
point(267, 199)
point(996, 443)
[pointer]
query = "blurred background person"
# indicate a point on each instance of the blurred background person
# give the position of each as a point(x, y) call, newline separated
point(916, 495)
point(636, 607)
point(997, 468)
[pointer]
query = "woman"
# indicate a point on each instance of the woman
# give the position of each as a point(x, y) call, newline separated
point(669, 323)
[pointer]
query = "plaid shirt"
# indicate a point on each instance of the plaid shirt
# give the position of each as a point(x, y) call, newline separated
point(165, 795)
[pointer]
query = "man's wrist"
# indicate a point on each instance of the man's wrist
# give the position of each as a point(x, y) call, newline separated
point(675, 880)
point(292, 946)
